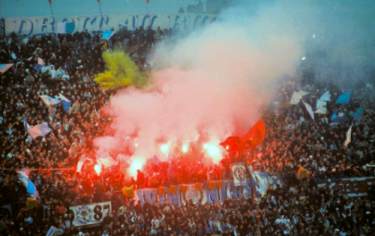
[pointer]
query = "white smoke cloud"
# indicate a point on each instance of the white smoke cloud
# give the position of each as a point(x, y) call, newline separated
point(207, 85)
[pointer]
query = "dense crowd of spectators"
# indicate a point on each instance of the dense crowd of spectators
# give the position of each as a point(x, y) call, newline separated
point(293, 140)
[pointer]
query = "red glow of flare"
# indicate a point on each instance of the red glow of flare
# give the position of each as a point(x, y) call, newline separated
point(136, 164)
point(98, 168)
point(185, 148)
point(165, 148)
point(214, 151)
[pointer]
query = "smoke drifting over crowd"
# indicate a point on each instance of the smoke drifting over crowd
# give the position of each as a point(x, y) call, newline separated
point(204, 87)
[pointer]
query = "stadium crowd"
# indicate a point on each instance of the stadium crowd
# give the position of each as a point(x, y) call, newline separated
point(302, 206)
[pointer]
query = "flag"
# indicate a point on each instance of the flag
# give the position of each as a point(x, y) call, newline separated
point(297, 96)
point(256, 134)
point(65, 102)
point(344, 98)
point(29, 185)
point(39, 130)
point(357, 114)
point(337, 117)
point(107, 34)
point(232, 144)
point(41, 61)
point(53, 231)
point(321, 103)
point(49, 101)
point(5, 67)
point(348, 138)
point(309, 110)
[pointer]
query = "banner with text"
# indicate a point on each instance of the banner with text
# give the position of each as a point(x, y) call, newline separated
point(43, 25)
point(90, 214)
point(209, 192)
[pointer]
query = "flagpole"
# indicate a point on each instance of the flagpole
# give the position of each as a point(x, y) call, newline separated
point(53, 18)
point(51, 8)
point(100, 8)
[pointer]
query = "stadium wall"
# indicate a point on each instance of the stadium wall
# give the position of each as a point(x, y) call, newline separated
point(44, 16)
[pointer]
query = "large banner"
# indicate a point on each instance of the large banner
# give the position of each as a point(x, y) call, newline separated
point(207, 193)
point(43, 25)
point(90, 214)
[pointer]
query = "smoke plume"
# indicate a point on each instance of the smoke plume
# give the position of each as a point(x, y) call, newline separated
point(206, 86)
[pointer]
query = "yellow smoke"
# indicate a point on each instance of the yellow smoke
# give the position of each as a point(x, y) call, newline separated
point(120, 71)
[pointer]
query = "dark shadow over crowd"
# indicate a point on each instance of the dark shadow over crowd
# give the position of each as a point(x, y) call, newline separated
point(294, 140)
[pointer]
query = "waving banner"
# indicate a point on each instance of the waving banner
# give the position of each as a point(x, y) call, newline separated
point(90, 214)
point(239, 174)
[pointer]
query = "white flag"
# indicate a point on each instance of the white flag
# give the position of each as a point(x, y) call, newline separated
point(40, 61)
point(39, 130)
point(297, 96)
point(348, 137)
point(309, 110)
point(321, 103)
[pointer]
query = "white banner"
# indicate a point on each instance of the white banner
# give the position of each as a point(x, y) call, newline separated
point(90, 214)
point(239, 174)
point(42, 25)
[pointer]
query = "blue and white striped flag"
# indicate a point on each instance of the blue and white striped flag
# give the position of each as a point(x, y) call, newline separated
point(53, 231)
point(29, 185)
point(49, 101)
point(66, 103)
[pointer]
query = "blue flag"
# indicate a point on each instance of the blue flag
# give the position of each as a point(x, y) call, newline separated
point(66, 103)
point(357, 114)
point(344, 98)
point(106, 35)
point(337, 117)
